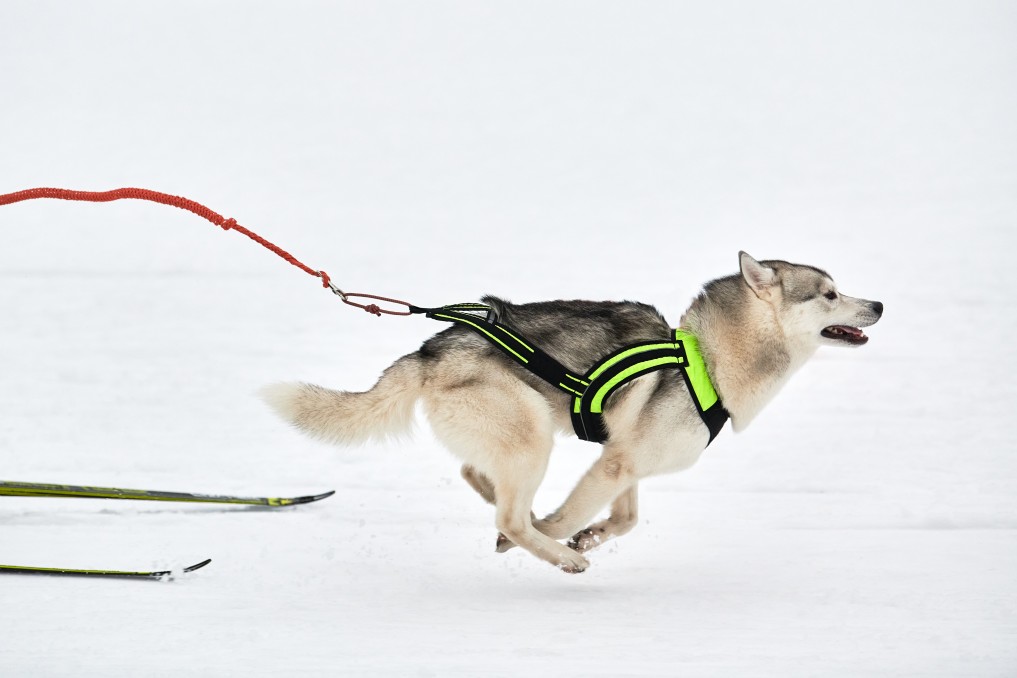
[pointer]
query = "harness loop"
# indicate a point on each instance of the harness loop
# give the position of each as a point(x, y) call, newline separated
point(373, 308)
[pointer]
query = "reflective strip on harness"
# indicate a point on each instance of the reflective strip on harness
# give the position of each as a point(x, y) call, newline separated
point(597, 402)
point(590, 391)
point(475, 324)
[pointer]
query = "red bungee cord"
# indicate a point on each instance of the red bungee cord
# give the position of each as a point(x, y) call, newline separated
point(210, 215)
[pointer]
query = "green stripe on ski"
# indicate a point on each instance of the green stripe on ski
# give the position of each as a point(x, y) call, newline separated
point(20, 489)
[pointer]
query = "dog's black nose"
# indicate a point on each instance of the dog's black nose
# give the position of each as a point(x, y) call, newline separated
point(877, 306)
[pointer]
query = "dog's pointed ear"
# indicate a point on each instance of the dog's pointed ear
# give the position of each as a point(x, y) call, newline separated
point(759, 277)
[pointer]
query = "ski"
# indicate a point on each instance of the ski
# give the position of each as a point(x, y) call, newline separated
point(10, 488)
point(73, 572)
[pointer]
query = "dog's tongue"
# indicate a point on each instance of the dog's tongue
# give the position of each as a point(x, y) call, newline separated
point(853, 331)
point(851, 335)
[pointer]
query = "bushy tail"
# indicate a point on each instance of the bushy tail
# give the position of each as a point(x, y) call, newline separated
point(352, 418)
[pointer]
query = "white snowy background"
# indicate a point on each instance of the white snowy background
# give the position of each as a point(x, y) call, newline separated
point(865, 524)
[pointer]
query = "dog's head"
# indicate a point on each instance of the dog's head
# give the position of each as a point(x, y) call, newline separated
point(807, 304)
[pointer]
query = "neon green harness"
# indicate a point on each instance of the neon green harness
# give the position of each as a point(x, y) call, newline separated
point(590, 391)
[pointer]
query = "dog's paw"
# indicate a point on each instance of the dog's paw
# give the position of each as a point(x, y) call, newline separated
point(502, 544)
point(573, 564)
point(586, 540)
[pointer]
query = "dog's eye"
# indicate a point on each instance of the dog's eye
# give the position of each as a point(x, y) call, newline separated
point(831, 295)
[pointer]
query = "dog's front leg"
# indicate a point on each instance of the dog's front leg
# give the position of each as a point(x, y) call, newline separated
point(609, 477)
point(624, 515)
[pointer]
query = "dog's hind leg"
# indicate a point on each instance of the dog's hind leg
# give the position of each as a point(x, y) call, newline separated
point(515, 493)
point(479, 482)
point(503, 430)
point(482, 486)
point(624, 515)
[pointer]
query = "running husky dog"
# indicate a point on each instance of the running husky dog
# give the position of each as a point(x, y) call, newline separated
point(754, 330)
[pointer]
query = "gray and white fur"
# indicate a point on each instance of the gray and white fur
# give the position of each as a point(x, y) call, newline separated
point(755, 329)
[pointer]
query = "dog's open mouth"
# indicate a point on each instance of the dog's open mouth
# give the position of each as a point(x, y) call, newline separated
point(849, 335)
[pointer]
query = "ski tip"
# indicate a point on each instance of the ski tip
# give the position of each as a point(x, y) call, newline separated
point(198, 566)
point(313, 497)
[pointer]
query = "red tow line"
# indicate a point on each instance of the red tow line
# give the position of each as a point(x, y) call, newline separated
point(210, 215)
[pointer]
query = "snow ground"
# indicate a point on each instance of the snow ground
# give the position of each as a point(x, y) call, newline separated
point(865, 525)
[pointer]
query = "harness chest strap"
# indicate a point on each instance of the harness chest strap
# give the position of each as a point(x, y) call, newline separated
point(590, 391)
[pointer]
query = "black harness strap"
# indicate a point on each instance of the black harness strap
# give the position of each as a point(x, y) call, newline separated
point(590, 391)
point(613, 372)
point(510, 343)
